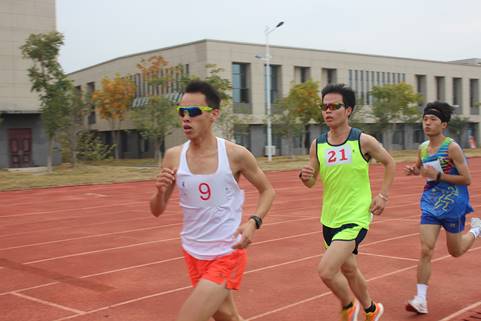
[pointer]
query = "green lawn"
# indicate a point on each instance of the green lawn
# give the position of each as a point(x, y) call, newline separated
point(111, 171)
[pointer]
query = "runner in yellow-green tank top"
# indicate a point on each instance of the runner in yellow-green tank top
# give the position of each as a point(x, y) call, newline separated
point(340, 159)
point(344, 172)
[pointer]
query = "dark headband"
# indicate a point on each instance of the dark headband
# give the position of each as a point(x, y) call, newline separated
point(437, 113)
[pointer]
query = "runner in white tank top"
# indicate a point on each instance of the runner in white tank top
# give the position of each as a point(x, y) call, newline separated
point(206, 171)
point(212, 206)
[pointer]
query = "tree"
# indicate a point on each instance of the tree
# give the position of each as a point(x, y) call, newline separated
point(113, 101)
point(227, 120)
point(394, 103)
point(155, 120)
point(457, 127)
point(78, 108)
point(49, 81)
point(294, 112)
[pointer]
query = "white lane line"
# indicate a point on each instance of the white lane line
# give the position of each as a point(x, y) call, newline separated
point(188, 287)
point(285, 307)
point(388, 256)
point(30, 298)
point(451, 316)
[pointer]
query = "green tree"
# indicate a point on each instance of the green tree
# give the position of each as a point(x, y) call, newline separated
point(458, 126)
point(293, 113)
point(228, 120)
point(113, 102)
point(74, 125)
point(49, 81)
point(394, 103)
point(155, 121)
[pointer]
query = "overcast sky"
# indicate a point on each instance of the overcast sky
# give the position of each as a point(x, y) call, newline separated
point(99, 30)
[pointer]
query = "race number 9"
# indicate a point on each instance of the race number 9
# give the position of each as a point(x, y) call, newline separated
point(204, 190)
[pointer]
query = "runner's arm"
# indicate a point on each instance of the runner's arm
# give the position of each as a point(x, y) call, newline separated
point(165, 183)
point(309, 172)
point(374, 149)
point(252, 172)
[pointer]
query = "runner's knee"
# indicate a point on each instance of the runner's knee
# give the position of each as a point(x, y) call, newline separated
point(326, 273)
point(455, 251)
point(427, 251)
point(226, 315)
point(349, 270)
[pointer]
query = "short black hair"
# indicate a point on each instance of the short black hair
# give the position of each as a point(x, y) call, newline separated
point(444, 110)
point(212, 97)
point(348, 95)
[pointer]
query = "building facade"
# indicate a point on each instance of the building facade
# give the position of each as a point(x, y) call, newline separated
point(23, 142)
point(457, 83)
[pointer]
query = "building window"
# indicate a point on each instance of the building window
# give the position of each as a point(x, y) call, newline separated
point(418, 135)
point(440, 88)
point(240, 89)
point(242, 135)
point(474, 92)
point(302, 74)
point(350, 78)
point(275, 82)
point(457, 92)
point(329, 76)
point(421, 87)
point(92, 117)
point(398, 137)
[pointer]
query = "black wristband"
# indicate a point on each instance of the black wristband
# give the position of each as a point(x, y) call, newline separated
point(438, 177)
point(257, 220)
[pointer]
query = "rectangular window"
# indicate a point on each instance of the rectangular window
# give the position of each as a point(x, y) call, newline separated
point(302, 74)
point(350, 78)
point(240, 89)
point(440, 88)
point(474, 92)
point(362, 90)
point(242, 135)
point(92, 117)
point(457, 92)
point(421, 87)
point(275, 82)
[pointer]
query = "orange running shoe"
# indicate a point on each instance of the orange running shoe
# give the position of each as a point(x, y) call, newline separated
point(376, 315)
point(351, 313)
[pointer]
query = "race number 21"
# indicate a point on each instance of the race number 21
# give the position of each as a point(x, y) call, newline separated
point(338, 155)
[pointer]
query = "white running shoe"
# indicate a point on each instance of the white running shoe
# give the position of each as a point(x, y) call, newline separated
point(417, 305)
point(475, 222)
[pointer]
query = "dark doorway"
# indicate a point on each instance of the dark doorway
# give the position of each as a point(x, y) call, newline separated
point(20, 145)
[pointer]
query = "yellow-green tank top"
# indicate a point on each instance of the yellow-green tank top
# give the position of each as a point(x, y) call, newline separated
point(344, 172)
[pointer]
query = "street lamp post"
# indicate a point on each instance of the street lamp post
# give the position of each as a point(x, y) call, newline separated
point(267, 58)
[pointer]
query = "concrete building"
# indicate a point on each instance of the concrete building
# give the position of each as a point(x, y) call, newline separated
point(23, 142)
point(457, 83)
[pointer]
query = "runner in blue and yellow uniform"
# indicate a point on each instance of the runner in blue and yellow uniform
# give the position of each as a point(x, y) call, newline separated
point(340, 158)
point(445, 200)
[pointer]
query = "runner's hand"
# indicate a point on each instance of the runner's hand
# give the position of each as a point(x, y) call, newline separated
point(411, 170)
point(246, 231)
point(429, 172)
point(377, 205)
point(165, 179)
point(307, 172)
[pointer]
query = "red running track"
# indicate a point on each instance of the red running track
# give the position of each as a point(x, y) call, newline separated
point(91, 253)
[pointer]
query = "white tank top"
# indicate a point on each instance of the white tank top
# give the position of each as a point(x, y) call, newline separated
point(212, 206)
